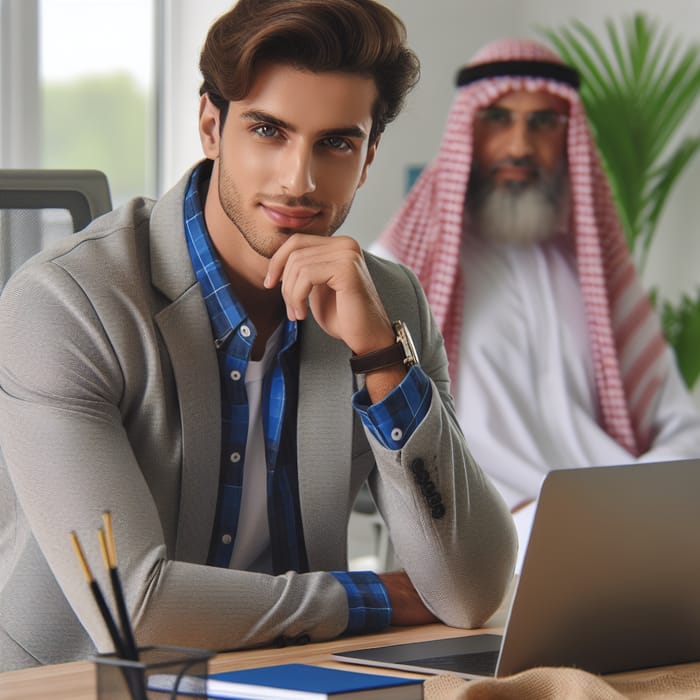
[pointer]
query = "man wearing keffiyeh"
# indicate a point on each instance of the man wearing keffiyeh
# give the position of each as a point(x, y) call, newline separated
point(556, 357)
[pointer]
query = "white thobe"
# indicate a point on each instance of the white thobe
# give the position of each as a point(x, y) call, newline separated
point(525, 392)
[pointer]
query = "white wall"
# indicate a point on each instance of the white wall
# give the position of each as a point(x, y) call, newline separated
point(445, 34)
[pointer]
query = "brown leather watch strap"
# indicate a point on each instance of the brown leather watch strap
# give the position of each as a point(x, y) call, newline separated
point(378, 359)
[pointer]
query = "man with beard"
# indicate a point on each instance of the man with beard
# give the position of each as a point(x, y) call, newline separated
point(556, 357)
point(222, 375)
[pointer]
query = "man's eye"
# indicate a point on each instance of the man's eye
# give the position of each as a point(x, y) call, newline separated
point(543, 121)
point(496, 117)
point(546, 122)
point(266, 131)
point(337, 143)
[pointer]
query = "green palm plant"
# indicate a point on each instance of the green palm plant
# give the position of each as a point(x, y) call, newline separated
point(637, 93)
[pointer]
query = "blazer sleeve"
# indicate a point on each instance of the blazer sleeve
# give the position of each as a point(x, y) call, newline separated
point(459, 556)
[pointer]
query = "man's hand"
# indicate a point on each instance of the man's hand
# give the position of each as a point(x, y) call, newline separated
point(330, 275)
point(406, 606)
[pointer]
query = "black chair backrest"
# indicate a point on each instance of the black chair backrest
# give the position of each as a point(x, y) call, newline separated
point(37, 206)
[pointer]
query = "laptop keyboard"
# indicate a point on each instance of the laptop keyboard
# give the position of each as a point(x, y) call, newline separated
point(482, 663)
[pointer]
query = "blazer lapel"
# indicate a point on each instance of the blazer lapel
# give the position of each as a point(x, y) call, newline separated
point(324, 442)
point(187, 335)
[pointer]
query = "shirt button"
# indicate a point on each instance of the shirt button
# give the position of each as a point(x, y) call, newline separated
point(396, 434)
point(226, 539)
point(245, 331)
point(235, 375)
point(235, 457)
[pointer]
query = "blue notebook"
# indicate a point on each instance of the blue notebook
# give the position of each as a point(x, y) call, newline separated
point(297, 682)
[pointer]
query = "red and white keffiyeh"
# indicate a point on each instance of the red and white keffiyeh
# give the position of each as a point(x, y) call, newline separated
point(426, 235)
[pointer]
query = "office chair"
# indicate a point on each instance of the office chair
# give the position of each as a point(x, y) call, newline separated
point(38, 206)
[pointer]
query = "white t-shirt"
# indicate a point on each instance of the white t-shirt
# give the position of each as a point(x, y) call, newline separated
point(251, 549)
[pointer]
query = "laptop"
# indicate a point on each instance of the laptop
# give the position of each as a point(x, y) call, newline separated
point(610, 581)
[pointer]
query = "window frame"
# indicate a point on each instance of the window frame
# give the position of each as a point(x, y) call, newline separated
point(20, 115)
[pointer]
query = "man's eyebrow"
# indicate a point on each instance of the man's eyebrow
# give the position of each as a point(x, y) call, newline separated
point(355, 132)
point(260, 116)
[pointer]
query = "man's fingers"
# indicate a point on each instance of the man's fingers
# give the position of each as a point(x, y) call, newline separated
point(329, 269)
point(329, 276)
point(299, 243)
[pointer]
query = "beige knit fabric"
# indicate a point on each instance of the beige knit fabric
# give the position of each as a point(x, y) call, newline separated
point(673, 683)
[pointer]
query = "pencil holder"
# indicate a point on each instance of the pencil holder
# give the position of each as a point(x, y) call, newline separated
point(161, 673)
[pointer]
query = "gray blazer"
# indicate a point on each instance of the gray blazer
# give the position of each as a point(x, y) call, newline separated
point(110, 400)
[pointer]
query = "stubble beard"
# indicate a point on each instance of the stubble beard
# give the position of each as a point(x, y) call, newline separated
point(260, 241)
point(517, 212)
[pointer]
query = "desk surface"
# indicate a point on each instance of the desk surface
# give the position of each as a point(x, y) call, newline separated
point(76, 681)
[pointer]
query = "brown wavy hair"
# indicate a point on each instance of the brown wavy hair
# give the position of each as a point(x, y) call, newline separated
point(361, 37)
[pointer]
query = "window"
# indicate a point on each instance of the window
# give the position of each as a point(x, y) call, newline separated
point(77, 88)
point(97, 90)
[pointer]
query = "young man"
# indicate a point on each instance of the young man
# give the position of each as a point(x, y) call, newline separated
point(556, 357)
point(187, 365)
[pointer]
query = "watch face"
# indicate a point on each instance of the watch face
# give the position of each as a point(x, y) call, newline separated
point(403, 335)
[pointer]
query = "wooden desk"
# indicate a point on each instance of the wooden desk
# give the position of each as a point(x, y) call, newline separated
point(76, 681)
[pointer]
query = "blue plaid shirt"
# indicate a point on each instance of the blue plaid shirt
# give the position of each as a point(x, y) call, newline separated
point(392, 421)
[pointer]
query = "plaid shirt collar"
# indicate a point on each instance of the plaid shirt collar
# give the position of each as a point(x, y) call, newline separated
point(225, 311)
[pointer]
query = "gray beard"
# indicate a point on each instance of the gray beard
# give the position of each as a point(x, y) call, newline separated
point(516, 212)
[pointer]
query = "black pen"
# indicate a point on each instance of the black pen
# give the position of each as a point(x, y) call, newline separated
point(110, 554)
point(99, 598)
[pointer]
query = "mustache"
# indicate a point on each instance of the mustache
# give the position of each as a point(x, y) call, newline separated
point(482, 183)
point(510, 162)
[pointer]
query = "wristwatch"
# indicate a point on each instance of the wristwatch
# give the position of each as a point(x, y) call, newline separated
point(403, 351)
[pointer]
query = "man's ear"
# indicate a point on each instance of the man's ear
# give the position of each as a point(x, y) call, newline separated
point(371, 153)
point(209, 127)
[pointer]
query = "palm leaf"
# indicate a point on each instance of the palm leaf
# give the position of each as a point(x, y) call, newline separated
point(681, 324)
point(636, 95)
point(608, 71)
point(662, 182)
point(673, 101)
point(639, 38)
point(623, 63)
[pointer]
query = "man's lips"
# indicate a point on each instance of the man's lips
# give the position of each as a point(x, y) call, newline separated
point(514, 172)
point(289, 217)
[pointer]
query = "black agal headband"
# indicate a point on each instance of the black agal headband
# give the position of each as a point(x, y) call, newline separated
point(533, 69)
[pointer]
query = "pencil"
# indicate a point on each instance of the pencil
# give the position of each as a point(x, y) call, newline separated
point(110, 551)
point(134, 677)
point(99, 598)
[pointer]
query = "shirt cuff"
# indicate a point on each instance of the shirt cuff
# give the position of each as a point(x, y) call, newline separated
point(368, 601)
point(394, 419)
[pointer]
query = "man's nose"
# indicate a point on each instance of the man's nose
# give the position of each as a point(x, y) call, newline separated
point(297, 170)
point(520, 138)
